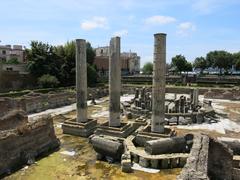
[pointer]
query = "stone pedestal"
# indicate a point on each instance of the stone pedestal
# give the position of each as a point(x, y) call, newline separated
point(158, 89)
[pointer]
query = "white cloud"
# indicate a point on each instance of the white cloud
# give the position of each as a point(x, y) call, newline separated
point(210, 6)
point(205, 6)
point(185, 28)
point(156, 20)
point(95, 22)
point(127, 4)
point(131, 17)
point(120, 33)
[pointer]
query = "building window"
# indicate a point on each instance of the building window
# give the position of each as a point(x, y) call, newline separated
point(9, 68)
point(101, 51)
point(3, 52)
point(4, 59)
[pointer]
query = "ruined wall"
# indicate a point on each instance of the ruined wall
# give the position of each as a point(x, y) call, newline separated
point(197, 162)
point(208, 159)
point(23, 144)
point(12, 80)
point(212, 93)
point(236, 174)
point(207, 79)
point(12, 120)
point(7, 104)
point(231, 94)
point(37, 102)
point(219, 161)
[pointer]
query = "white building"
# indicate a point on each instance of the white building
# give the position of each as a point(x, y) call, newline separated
point(102, 51)
point(133, 63)
point(8, 52)
point(130, 60)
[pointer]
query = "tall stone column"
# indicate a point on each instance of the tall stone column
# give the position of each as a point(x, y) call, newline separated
point(81, 80)
point(114, 82)
point(158, 89)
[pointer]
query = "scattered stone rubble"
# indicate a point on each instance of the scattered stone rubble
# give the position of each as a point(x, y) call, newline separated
point(178, 111)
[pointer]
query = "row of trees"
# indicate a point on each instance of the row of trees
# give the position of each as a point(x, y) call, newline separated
point(55, 65)
point(222, 60)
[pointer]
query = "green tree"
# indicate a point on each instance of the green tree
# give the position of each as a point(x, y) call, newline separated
point(220, 59)
point(42, 59)
point(67, 71)
point(91, 75)
point(147, 68)
point(237, 64)
point(58, 61)
point(236, 60)
point(180, 63)
point(90, 54)
point(188, 67)
point(201, 63)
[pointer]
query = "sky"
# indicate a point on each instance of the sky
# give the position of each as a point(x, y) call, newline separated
point(193, 27)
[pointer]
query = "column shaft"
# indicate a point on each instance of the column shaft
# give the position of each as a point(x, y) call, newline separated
point(115, 82)
point(81, 80)
point(158, 89)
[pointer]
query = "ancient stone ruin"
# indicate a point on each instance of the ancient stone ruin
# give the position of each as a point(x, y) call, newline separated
point(178, 110)
point(22, 141)
point(147, 137)
point(208, 159)
point(150, 143)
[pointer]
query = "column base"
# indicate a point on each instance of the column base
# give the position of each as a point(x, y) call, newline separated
point(124, 130)
point(79, 129)
point(146, 131)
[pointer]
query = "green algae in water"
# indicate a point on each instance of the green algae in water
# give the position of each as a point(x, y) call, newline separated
point(83, 165)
